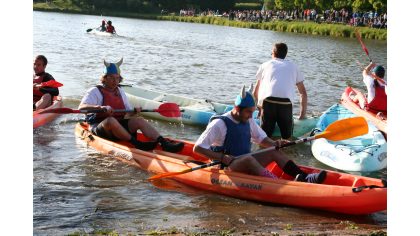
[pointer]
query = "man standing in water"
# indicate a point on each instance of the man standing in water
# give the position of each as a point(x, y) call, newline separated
point(275, 90)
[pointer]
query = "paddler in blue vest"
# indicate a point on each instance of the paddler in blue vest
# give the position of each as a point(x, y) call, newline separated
point(114, 126)
point(231, 134)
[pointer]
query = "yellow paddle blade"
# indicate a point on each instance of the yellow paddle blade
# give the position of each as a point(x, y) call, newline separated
point(345, 129)
point(169, 174)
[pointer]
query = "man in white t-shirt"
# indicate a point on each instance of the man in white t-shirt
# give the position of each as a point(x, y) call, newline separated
point(230, 135)
point(275, 91)
point(112, 125)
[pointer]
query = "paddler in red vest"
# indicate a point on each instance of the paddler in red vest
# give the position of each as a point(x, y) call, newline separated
point(230, 135)
point(376, 89)
point(110, 28)
point(42, 96)
point(114, 126)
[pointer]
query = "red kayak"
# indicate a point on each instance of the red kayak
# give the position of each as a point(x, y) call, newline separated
point(42, 119)
point(379, 120)
point(340, 192)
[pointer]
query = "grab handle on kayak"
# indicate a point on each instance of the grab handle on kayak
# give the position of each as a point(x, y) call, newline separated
point(360, 188)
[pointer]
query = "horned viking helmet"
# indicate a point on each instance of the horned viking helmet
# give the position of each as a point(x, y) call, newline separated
point(112, 68)
point(245, 98)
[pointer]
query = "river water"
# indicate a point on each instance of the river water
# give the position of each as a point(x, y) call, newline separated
point(76, 189)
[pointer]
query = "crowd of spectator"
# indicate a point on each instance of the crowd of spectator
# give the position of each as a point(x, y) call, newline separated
point(190, 12)
point(343, 16)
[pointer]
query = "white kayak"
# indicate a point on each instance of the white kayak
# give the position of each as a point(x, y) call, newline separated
point(196, 111)
point(364, 153)
point(96, 31)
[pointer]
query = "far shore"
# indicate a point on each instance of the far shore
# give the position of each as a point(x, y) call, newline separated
point(323, 29)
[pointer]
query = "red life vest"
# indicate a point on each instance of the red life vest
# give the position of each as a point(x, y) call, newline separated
point(110, 29)
point(378, 103)
point(112, 99)
point(37, 94)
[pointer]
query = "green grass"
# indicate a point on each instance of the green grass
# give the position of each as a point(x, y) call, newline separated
point(378, 233)
point(98, 232)
point(349, 225)
point(332, 30)
point(288, 227)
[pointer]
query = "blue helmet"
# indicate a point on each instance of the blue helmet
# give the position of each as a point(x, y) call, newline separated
point(379, 71)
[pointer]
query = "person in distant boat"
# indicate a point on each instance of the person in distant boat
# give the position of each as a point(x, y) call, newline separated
point(103, 26)
point(114, 126)
point(376, 90)
point(110, 28)
point(275, 91)
point(42, 96)
point(231, 134)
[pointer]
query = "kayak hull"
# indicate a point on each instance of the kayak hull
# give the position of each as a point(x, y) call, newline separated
point(42, 119)
point(346, 101)
point(100, 33)
point(335, 195)
point(197, 111)
point(364, 153)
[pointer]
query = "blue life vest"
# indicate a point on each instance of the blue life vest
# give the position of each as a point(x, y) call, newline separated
point(238, 137)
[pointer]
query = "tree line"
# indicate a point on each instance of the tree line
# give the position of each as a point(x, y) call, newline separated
point(151, 6)
point(354, 5)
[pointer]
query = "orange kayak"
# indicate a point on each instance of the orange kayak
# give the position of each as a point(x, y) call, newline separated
point(42, 119)
point(346, 100)
point(343, 193)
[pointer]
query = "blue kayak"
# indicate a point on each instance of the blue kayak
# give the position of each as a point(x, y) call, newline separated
point(364, 153)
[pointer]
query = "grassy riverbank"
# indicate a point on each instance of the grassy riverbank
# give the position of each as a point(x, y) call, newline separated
point(332, 30)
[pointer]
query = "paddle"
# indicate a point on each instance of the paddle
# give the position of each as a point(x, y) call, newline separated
point(374, 76)
point(51, 83)
point(166, 109)
point(339, 130)
point(363, 45)
point(88, 30)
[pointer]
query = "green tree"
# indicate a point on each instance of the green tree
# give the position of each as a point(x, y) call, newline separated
point(378, 5)
point(324, 4)
point(285, 4)
point(299, 4)
point(361, 5)
point(134, 5)
point(338, 4)
point(269, 5)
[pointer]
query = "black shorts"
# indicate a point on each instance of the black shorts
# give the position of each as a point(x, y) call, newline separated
point(98, 129)
point(280, 111)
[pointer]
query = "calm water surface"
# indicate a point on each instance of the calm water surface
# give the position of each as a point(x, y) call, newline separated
point(75, 189)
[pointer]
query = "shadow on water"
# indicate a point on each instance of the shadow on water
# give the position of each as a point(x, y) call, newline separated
point(222, 212)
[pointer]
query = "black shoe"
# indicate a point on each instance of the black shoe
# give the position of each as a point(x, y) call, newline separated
point(171, 146)
point(145, 146)
point(316, 178)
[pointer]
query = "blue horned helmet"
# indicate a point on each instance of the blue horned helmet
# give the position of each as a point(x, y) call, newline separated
point(245, 98)
point(112, 68)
